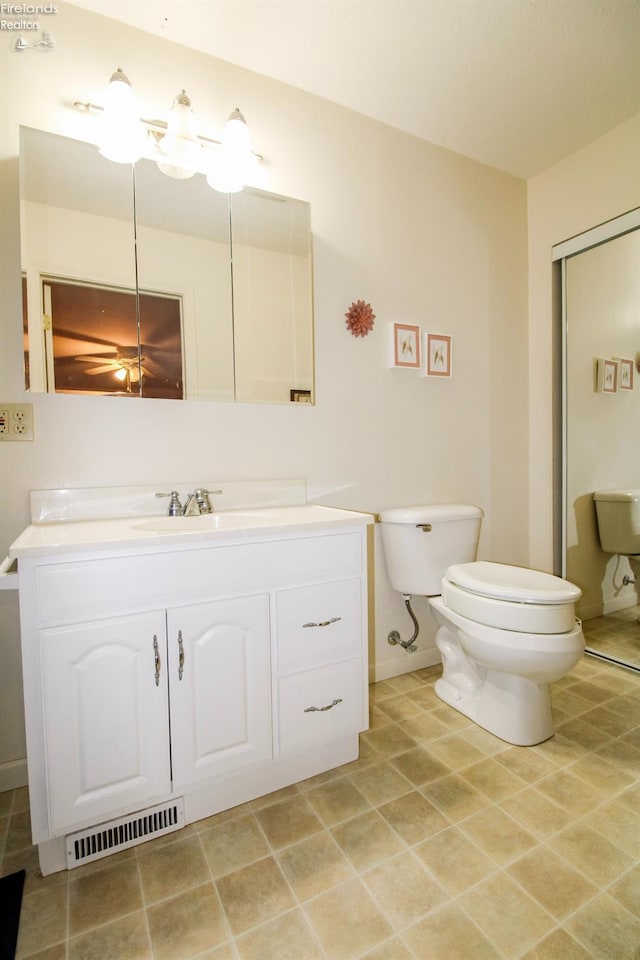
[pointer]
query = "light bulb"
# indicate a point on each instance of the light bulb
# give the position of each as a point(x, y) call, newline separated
point(122, 134)
point(180, 144)
point(236, 161)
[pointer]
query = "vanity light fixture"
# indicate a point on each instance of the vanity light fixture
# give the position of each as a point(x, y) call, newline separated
point(177, 148)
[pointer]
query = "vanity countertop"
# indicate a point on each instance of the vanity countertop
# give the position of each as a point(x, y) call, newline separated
point(78, 536)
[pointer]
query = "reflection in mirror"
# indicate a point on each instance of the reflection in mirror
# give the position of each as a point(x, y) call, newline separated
point(76, 215)
point(182, 243)
point(271, 252)
point(152, 305)
point(602, 308)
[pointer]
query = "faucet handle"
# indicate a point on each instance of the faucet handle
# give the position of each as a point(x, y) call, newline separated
point(202, 498)
point(175, 507)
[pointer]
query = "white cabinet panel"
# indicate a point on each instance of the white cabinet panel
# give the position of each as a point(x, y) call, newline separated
point(318, 623)
point(220, 687)
point(105, 716)
point(321, 703)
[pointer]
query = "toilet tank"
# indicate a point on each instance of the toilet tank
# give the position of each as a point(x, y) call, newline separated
point(420, 542)
point(618, 513)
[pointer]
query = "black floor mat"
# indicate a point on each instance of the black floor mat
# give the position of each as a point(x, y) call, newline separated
point(10, 902)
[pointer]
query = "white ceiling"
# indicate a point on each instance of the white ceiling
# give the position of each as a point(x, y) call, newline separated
point(516, 84)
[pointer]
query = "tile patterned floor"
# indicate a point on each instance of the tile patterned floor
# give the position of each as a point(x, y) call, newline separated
point(441, 842)
point(616, 635)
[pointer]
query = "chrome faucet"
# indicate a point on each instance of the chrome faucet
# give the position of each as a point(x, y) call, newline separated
point(195, 504)
point(198, 503)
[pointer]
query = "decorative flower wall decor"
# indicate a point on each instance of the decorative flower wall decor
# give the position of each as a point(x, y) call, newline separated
point(360, 318)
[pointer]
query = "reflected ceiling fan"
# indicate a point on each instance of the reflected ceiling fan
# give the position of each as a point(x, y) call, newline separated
point(123, 365)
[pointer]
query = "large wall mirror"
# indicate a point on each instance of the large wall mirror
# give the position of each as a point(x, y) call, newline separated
point(139, 285)
point(601, 320)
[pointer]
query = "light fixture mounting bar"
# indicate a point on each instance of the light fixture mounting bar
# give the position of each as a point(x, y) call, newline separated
point(153, 125)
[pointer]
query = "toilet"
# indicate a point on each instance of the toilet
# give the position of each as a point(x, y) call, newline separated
point(618, 517)
point(504, 632)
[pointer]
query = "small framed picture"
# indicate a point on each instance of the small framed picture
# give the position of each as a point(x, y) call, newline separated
point(626, 374)
point(405, 346)
point(438, 355)
point(300, 396)
point(607, 379)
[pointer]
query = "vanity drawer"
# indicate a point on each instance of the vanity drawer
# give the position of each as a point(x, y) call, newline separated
point(318, 624)
point(335, 691)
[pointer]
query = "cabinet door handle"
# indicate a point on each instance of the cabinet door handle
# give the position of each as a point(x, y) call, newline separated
point(323, 623)
point(322, 709)
point(180, 655)
point(156, 658)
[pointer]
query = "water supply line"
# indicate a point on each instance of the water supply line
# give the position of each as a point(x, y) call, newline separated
point(394, 636)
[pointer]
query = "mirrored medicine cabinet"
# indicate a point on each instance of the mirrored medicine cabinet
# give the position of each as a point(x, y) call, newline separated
point(139, 285)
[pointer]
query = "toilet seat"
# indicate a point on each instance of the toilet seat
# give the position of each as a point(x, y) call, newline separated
point(511, 598)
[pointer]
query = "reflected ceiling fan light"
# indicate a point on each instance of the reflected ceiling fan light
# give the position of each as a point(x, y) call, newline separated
point(122, 133)
point(236, 162)
point(120, 374)
point(180, 145)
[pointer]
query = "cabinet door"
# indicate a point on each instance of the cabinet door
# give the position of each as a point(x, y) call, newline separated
point(105, 717)
point(220, 687)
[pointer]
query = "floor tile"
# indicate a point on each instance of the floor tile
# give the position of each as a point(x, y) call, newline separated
point(347, 921)
point(170, 869)
point(187, 925)
point(552, 882)
point(254, 894)
point(606, 929)
point(366, 840)
point(314, 865)
point(288, 937)
point(413, 817)
point(403, 889)
point(455, 861)
point(336, 801)
point(126, 937)
point(288, 821)
point(509, 918)
point(448, 934)
point(233, 844)
point(103, 895)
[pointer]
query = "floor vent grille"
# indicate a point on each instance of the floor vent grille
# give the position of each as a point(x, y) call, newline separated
point(126, 832)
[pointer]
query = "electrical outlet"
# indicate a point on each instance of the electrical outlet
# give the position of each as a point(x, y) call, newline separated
point(16, 421)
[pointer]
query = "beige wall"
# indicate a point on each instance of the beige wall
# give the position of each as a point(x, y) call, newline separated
point(593, 185)
point(424, 235)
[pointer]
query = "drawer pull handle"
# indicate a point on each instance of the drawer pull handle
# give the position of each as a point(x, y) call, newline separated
point(322, 709)
point(323, 623)
point(180, 655)
point(156, 659)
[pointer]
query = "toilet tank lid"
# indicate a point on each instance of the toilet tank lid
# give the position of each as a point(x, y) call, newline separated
point(431, 513)
point(517, 584)
point(627, 494)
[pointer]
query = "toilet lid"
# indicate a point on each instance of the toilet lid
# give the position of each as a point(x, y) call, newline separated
point(517, 584)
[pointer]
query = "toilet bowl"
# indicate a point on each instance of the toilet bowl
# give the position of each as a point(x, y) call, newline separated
point(504, 632)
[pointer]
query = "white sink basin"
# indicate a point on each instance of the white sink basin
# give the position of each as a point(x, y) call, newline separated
point(233, 520)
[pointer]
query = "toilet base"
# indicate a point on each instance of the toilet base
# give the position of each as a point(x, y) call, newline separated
point(513, 708)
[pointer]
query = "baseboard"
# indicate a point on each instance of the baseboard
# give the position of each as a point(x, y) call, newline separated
point(619, 603)
point(404, 662)
point(13, 775)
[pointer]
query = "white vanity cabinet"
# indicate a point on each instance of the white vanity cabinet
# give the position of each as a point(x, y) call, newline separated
point(213, 670)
